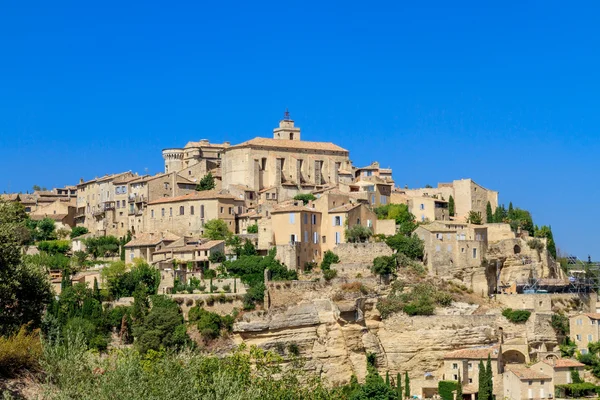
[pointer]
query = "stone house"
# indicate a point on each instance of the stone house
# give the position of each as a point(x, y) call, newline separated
point(584, 329)
point(465, 363)
point(186, 215)
point(195, 160)
point(559, 369)
point(188, 253)
point(467, 195)
point(450, 245)
point(61, 212)
point(143, 245)
point(374, 170)
point(527, 383)
point(285, 161)
point(424, 207)
point(377, 191)
point(96, 204)
point(121, 214)
point(297, 235)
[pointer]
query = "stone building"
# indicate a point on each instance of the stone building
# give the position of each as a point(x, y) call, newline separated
point(374, 190)
point(584, 329)
point(285, 162)
point(61, 212)
point(374, 170)
point(465, 363)
point(527, 383)
point(467, 195)
point(452, 245)
point(96, 208)
point(423, 207)
point(559, 369)
point(143, 245)
point(186, 215)
point(195, 160)
point(189, 253)
point(297, 235)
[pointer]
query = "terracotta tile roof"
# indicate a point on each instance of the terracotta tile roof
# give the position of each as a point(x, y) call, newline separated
point(190, 247)
point(125, 179)
point(9, 197)
point(151, 239)
point(344, 208)
point(564, 363)
point(266, 189)
point(203, 195)
point(54, 217)
point(476, 353)
point(290, 144)
point(286, 209)
point(528, 374)
point(593, 315)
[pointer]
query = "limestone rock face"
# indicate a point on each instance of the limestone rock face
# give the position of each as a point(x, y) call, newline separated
point(336, 348)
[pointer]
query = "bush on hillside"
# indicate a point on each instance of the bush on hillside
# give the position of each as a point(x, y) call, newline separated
point(516, 316)
point(19, 352)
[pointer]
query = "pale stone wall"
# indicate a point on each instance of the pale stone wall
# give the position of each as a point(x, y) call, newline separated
point(306, 226)
point(361, 252)
point(385, 227)
point(499, 231)
point(542, 302)
point(584, 330)
point(286, 293)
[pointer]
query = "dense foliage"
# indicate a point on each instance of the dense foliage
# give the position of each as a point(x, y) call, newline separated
point(78, 231)
point(418, 299)
point(560, 323)
point(516, 316)
point(411, 246)
point(252, 228)
point(474, 217)
point(305, 197)
point(216, 229)
point(53, 247)
point(206, 183)
point(405, 220)
point(102, 246)
point(24, 287)
point(445, 389)
point(358, 234)
point(121, 282)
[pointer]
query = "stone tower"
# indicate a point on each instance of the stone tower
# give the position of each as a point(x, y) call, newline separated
point(173, 160)
point(286, 130)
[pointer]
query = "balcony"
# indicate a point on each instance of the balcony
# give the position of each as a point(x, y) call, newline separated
point(137, 198)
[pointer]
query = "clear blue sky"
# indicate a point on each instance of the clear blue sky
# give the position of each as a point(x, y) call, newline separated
point(506, 95)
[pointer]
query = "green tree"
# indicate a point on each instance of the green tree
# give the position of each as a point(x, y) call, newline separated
point(500, 214)
point(248, 249)
point(489, 215)
point(206, 183)
point(216, 257)
point(329, 258)
point(451, 206)
point(546, 232)
point(24, 287)
point(252, 228)
point(483, 391)
point(78, 231)
point(459, 392)
point(489, 375)
point(46, 229)
point(103, 246)
point(305, 197)
point(413, 247)
point(384, 265)
point(399, 386)
point(405, 220)
point(406, 384)
point(510, 210)
point(216, 229)
point(474, 217)
point(519, 218)
point(358, 234)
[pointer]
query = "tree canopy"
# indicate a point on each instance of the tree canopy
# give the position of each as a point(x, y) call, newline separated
point(216, 229)
point(206, 183)
point(400, 213)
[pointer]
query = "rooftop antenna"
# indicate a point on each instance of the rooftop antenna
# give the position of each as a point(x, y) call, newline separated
point(286, 115)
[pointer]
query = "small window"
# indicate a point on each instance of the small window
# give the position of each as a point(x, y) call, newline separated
point(590, 338)
point(578, 337)
point(292, 218)
point(337, 221)
point(314, 219)
point(454, 365)
point(474, 253)
point(305, 219)
point(162, 212)
point(315, 237)
point(222, 210)
point(323, 239)
point(338, 238)
point(170, 211)
point(305, 236)
point(191, 210)
point(230, 210)
point(422, 206)
point(181, 210)
point(152, 213)
point(268, 196)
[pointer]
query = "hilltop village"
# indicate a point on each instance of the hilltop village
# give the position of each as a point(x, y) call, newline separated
point(431, 283)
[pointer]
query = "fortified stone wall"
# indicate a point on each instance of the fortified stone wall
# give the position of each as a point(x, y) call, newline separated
point(354, 253)
point(543, 302)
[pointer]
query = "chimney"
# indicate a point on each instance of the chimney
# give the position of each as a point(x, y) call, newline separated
point(80, 180)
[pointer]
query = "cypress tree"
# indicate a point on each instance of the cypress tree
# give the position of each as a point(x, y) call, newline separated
point(211, 285)
point(451, 206)
point(459, 388)
point(234, 285)
point(482, 390)
point(387, 378)
point(406, 385)
point(510, 210)
point(399, 386)
point(96, 292)
point(488, 213)
point(490, 378)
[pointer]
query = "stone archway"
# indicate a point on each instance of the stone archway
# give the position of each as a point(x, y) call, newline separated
point(514, 357)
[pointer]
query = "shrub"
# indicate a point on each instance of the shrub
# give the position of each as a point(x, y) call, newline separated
point(222, 298)
point(536, 244)
point(305, 197)
point(329, 274)
point(19, 352)
point(309, 266)
point(560, 323)
point(210, 301)
point(202, 288)
point(226, 288)
point(516, 316)
point(213, 288)
point(445, 389)
point(293, 349)
point(252, 228)
point(78, 231)
point(189, 302)
point(329, 258)
point(179, 300)
point(358, 234)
